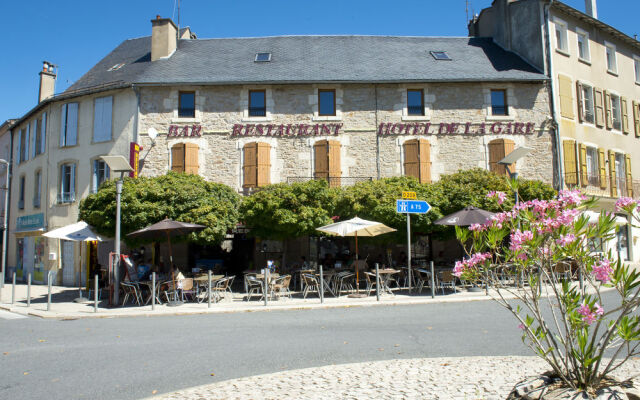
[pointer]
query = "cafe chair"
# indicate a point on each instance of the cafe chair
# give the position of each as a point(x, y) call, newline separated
point(310, 285)
point(423, 278)
point(343, 282)
point(371, 281)
point(187, 289)
point(130, 290)
point(447, 280)
point(280, 285)
point(221, 288)
point(254, 286)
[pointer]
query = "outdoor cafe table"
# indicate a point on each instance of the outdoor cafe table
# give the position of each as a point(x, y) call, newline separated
point(385, 277)
point(327, 276)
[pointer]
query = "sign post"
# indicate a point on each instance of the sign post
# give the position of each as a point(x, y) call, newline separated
point(410, 207)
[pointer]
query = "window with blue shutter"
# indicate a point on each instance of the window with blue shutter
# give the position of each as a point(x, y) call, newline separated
point(103, 107)
point(69, 125)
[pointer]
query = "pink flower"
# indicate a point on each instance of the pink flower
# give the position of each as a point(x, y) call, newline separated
point(571, 197)
point(500, 196)
point(522, 327)
point(602, 271)
point(598, 309)
point(626, 202)
point(588, 316)
point(522, 256)
point(477, 227)
point(518, 238)
point(464, 265)
point(566, 239)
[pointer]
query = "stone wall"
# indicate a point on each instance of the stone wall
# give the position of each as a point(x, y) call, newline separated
point(361, 108)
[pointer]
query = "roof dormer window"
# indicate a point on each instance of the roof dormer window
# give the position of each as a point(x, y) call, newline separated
point(263, 57)
point(440, 55)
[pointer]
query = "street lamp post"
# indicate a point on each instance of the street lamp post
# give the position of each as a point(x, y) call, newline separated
point(121, 165)
point(511, 158)
point(4, 224)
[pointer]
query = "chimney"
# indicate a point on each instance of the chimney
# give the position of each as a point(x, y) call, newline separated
point(591, 8)
point(164, 38)
point(47, 81)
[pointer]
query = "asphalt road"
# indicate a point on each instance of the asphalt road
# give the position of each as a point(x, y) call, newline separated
point(130, 358)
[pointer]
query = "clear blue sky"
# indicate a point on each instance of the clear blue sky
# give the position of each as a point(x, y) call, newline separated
point(76, 34)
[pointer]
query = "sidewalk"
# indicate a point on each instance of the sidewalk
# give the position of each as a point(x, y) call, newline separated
point(63, 307)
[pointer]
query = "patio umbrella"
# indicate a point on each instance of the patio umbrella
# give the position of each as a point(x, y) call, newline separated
point(166, 229)
point(356, 227)
point(467, 216)
point(78, 232)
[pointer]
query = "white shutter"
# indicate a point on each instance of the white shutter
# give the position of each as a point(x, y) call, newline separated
point(19, 155)
point(43, 134)
point(94, 179)
point(107, 109)
point(72, 124)
point(72, 186)
point(26, 144)
point(63, 125)
point(102, 119)
point(33, 139)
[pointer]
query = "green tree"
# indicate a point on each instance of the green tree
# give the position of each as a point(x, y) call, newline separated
point(282, 211)
point(181, 197)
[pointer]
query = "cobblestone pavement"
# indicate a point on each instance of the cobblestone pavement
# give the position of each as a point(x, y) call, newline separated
point(467, 378)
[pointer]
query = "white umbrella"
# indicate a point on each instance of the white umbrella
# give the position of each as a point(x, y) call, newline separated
point(78, 232)
point(356, 227)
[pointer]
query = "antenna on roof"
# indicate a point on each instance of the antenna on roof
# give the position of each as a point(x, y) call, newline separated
point(466, 9)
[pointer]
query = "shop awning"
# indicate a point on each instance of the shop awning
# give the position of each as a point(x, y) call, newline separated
point(78, 232)
point(593, 218)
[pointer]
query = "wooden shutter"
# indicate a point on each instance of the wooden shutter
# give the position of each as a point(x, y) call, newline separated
point(412, 158)
point(263, 164)
point(498, 149)
point(177, 157)
point(63, 125)
point(612, 173)
point(636, 117)
point(566, 96)
point(191, 164)
point(570, 165)
point(584, 178)
point(43, 137)
point(249, 165)
point(625, 115)
point(602, 168)
point(335, 169)
point(628, 176)
point(321, 155)
point(599, 100)
point(607, 110)
point(580, 98)
point(72, 124)
point(424, 156)
point(102, 116)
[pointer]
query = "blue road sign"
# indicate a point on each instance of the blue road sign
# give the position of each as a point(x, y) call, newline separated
point(412, 206)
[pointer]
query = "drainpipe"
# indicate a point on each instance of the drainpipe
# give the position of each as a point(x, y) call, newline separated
point(375, 129)
point(553, 105)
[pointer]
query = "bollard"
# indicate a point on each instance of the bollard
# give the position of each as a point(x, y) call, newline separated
point(153, 291)
point(13, 289)
point(29, 290)
point(95, 293)
point(209, 289)
point(433, 282)
point(49, 292)
point(321, 285)
point(266, 285)
point(378, 283)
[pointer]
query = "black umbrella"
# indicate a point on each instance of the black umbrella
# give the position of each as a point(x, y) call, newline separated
point(167, 228)
point(467, 216)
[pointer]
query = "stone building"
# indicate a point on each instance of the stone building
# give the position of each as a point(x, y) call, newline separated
point(253, 111)
point(594, 71)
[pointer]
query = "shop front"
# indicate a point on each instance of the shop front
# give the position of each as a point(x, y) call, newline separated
point(30, 248)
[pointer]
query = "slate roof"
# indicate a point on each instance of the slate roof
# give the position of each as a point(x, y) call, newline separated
point(306, 59)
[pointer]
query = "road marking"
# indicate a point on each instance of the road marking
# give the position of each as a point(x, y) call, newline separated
point(10, 315)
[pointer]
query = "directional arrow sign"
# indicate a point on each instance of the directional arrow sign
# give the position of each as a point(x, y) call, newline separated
point(412, 206)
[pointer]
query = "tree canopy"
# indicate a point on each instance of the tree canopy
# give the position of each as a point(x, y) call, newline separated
point(181, 197)
point(282, 211)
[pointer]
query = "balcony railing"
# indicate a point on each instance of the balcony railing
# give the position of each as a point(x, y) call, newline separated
point(337, 181)
point(68, 197)
point(595, 185)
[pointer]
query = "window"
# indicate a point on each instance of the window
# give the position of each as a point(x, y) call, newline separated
point(636, 62)
point(184, 158)
point(69, 125)
point(499, 102)
point(586, 106)
point(610, 51)
point(417, 159)
point(583, 45)
point(570, 163)
point(616, 112)
point(102, 119)
point(620, 174)
point(37, 189)
point(440, 55)
point(326, 102)
point(21, 197)
point(39, 133)
point(256, 165)
point(100, 174)
point(67, 183)
point(187, 104)
point(257, 103)
point(415, 102)
point(562, 43)
point(326, 155)
point(498, 149)
point(263, 57)
point(21, 141)
point(589, 166)
point(636, 117)
point(25, 143)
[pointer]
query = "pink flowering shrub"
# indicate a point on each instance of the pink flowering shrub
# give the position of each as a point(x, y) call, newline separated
point(541, 250)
